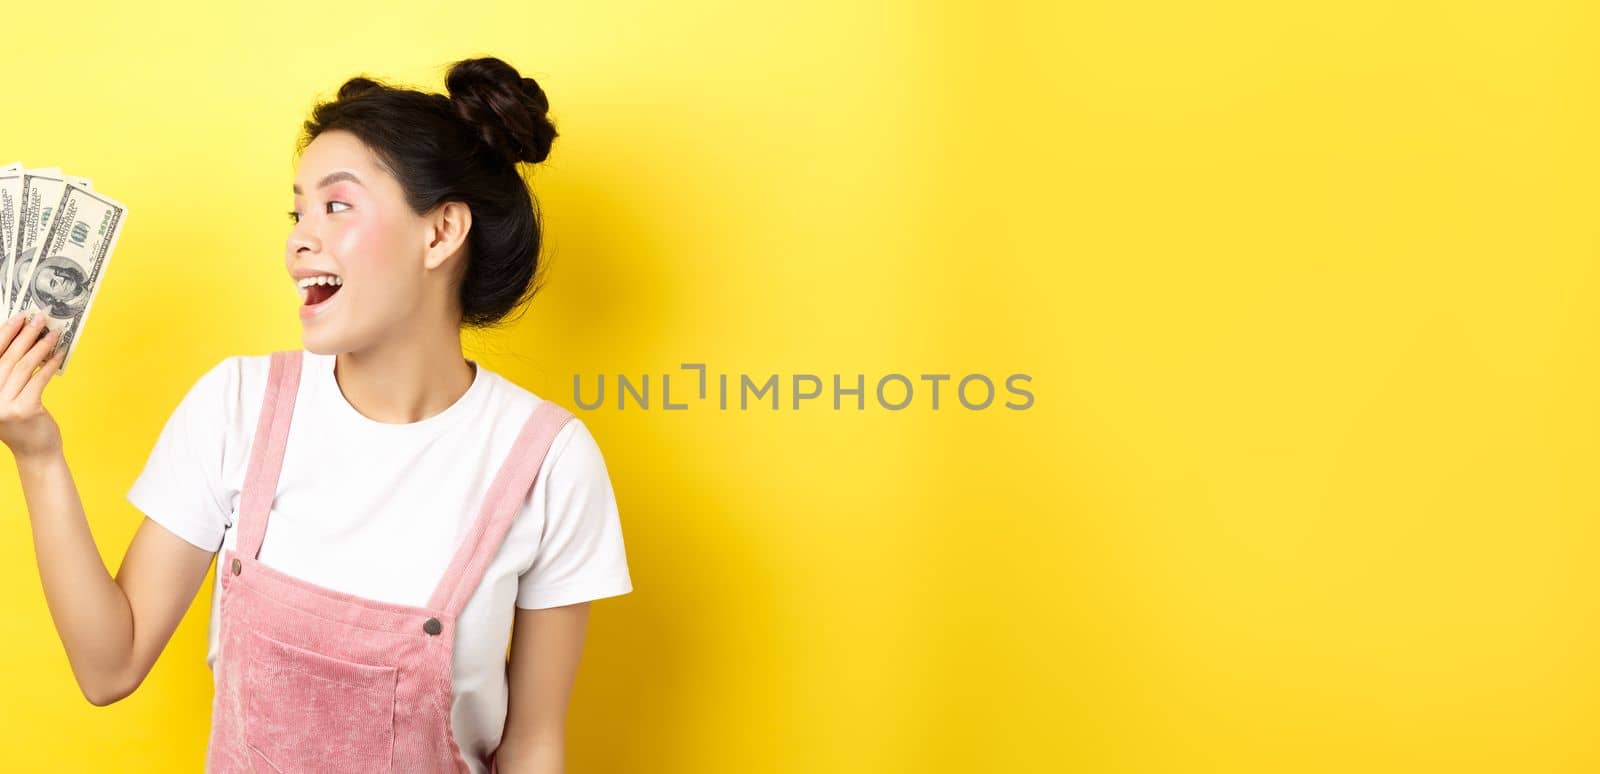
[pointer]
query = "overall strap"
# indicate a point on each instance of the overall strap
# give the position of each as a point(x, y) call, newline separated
point(507, 493)
point(266, 452)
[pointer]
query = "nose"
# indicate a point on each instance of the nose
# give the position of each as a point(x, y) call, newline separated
point(302, 240)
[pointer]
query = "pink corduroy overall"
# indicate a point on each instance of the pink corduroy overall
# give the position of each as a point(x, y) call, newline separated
point(309, 679)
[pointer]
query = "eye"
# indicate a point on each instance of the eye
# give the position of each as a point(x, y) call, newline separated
point(294, 216)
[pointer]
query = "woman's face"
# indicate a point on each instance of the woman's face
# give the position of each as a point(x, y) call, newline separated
point(350, 220)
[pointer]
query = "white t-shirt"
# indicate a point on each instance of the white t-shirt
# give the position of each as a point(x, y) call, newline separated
point(377, 509)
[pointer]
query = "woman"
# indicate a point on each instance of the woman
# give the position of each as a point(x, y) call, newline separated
point(377, 551)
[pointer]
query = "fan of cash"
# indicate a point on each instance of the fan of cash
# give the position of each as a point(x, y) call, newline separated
point(56, 238)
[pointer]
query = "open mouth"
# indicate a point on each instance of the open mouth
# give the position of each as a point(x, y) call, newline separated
point(315, 290)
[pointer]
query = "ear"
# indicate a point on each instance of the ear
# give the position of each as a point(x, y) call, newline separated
point(446, 232)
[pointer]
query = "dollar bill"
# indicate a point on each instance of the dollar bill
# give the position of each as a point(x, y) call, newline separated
point(41, 190)
point(74, 254)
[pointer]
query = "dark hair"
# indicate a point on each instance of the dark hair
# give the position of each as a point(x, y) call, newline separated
point(463, 147)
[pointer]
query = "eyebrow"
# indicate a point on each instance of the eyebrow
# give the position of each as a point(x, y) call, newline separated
point(333, 178)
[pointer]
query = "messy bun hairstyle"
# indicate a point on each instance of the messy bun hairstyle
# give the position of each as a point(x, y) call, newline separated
point(462, 147)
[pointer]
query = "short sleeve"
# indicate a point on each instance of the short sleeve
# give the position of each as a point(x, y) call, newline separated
point(581, 555)
point(181, 487)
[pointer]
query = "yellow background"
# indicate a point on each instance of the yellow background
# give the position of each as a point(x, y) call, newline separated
point(1306, 293)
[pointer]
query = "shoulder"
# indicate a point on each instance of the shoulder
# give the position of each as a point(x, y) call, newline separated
point(235, 380)
point(227, 396)
point(574, 469)
point(574, 460)
point(514, 403)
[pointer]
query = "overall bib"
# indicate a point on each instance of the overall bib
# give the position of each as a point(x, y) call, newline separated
point(310, 679)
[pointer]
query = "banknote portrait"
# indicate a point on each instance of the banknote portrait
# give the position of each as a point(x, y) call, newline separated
point(60, 287)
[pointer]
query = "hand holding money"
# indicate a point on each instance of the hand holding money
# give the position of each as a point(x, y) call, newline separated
point(56, 239)
point(25, 426)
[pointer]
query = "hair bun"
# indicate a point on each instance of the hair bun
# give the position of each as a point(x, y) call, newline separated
point(509, 112)
point(357, 86)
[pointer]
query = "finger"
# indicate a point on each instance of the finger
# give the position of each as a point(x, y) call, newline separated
point(11, 328)
point(33, 391)
point(23, 340)
point(30, 360)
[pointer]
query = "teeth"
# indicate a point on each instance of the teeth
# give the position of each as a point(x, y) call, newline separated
point(321, 279)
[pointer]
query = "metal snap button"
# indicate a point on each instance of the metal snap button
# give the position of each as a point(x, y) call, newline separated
point(432, 626)
point(236, 566)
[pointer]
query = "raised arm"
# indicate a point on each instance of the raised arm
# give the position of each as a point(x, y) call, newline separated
point(112, 629)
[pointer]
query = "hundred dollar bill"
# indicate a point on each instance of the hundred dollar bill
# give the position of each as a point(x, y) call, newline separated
point(74, 255)
point(41, 191)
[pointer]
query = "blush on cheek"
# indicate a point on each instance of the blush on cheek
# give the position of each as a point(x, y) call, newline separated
point(357, 243)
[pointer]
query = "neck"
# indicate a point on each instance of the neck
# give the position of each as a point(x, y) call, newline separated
point(398, 384)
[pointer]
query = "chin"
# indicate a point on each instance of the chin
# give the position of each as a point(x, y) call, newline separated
point(320, 344)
